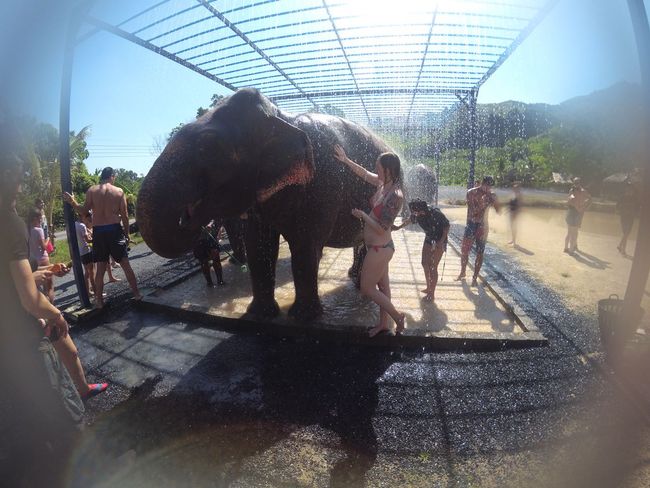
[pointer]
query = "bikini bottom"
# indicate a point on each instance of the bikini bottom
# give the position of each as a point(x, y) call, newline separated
point(390, 244)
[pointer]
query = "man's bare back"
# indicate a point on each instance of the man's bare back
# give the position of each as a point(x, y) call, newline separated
point(106, 202)
point(108, 205)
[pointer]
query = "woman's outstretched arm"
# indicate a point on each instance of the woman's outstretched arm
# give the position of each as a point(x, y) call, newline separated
point(360, 171)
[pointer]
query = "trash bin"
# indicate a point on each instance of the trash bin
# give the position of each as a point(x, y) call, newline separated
point(610, 317)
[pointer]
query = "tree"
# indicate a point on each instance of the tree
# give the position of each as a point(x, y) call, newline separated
point(215, 100)
point(174, 131)
point(40, 154)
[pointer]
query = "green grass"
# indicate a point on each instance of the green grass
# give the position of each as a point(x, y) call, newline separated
point(62, 254)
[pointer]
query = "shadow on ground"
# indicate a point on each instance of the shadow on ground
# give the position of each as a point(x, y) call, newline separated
point(236, 403)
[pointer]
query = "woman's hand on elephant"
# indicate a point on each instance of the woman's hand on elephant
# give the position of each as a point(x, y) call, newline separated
point(339, 153)
point(360, 214)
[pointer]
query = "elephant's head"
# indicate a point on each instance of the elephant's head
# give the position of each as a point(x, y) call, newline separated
point(238, 154)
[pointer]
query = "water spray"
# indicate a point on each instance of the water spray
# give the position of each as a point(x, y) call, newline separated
point(242, 266)
point(444, 261)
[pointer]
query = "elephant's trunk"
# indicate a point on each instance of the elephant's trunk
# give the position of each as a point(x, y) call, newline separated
point(165, 204)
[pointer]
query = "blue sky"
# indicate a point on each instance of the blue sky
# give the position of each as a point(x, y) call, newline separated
point(132, 97)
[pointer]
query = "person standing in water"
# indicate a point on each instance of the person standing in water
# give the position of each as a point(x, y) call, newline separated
point(436, 228)
point(514, 207)
point(386, 204)
point(579, 201)
point(479, 200)
point(627, 207)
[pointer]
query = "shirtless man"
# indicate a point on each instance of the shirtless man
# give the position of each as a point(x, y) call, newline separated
point(479, 199)
point(579, 200)
point(108, 205)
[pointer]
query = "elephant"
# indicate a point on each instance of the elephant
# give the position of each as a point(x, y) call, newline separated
point(422, 183)
point(246, 155)
point(235, 230)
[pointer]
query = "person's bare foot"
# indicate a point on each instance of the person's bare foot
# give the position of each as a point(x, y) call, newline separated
point(376, 330)
point(474, 281)
point(400, 324)
point(113, 279)
point(138, 297)
point(460, 277)
point(425, 291)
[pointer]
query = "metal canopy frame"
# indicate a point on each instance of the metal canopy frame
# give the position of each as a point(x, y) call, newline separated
point(377, 62)
point(431, 92)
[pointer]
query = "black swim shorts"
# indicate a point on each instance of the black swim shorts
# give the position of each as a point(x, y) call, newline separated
point(109, 240)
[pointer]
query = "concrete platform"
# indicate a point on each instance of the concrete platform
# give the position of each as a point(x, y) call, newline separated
point(463, 317)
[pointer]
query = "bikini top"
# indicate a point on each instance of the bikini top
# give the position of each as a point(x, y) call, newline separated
point(386, 209)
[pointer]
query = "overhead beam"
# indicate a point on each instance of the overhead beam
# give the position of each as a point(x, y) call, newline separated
point(424, 59)
point(379, 91)
point(345, 55)
point(253, 46)
point(141, 42)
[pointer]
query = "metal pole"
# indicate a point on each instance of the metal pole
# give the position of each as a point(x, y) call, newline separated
point(641, 264)
point(472, 134)
point(64, 155)
point(436, 156)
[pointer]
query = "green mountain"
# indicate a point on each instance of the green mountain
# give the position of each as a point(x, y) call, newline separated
point(591, 136)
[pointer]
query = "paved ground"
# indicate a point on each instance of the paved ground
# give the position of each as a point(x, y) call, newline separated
point(461, 316)
point(201, 407)
point(151, 270)
point(206, 408)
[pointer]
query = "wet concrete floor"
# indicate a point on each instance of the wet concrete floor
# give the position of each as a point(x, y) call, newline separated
point(198, 406)
point(201, 407)
point(461, 312)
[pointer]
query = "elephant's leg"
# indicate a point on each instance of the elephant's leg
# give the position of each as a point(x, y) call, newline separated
point(262, 244)
point(235, 229)
point(359, 253)
point(305, 258)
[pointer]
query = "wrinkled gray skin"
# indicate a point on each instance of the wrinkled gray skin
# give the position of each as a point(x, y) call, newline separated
point(247, 155)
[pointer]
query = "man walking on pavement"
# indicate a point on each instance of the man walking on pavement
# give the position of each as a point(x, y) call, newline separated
point(108, 205)
point(479, 200)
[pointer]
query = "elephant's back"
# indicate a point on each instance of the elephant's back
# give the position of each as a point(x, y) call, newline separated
point(335, 190)
point(331, 176)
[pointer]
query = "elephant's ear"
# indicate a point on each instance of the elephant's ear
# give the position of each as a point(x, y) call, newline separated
point(286, 158)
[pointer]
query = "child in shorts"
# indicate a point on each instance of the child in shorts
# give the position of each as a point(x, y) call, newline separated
point(84, 239)
point(207, 248)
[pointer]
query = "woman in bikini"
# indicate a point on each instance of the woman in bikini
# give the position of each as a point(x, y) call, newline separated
point(386, 204)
